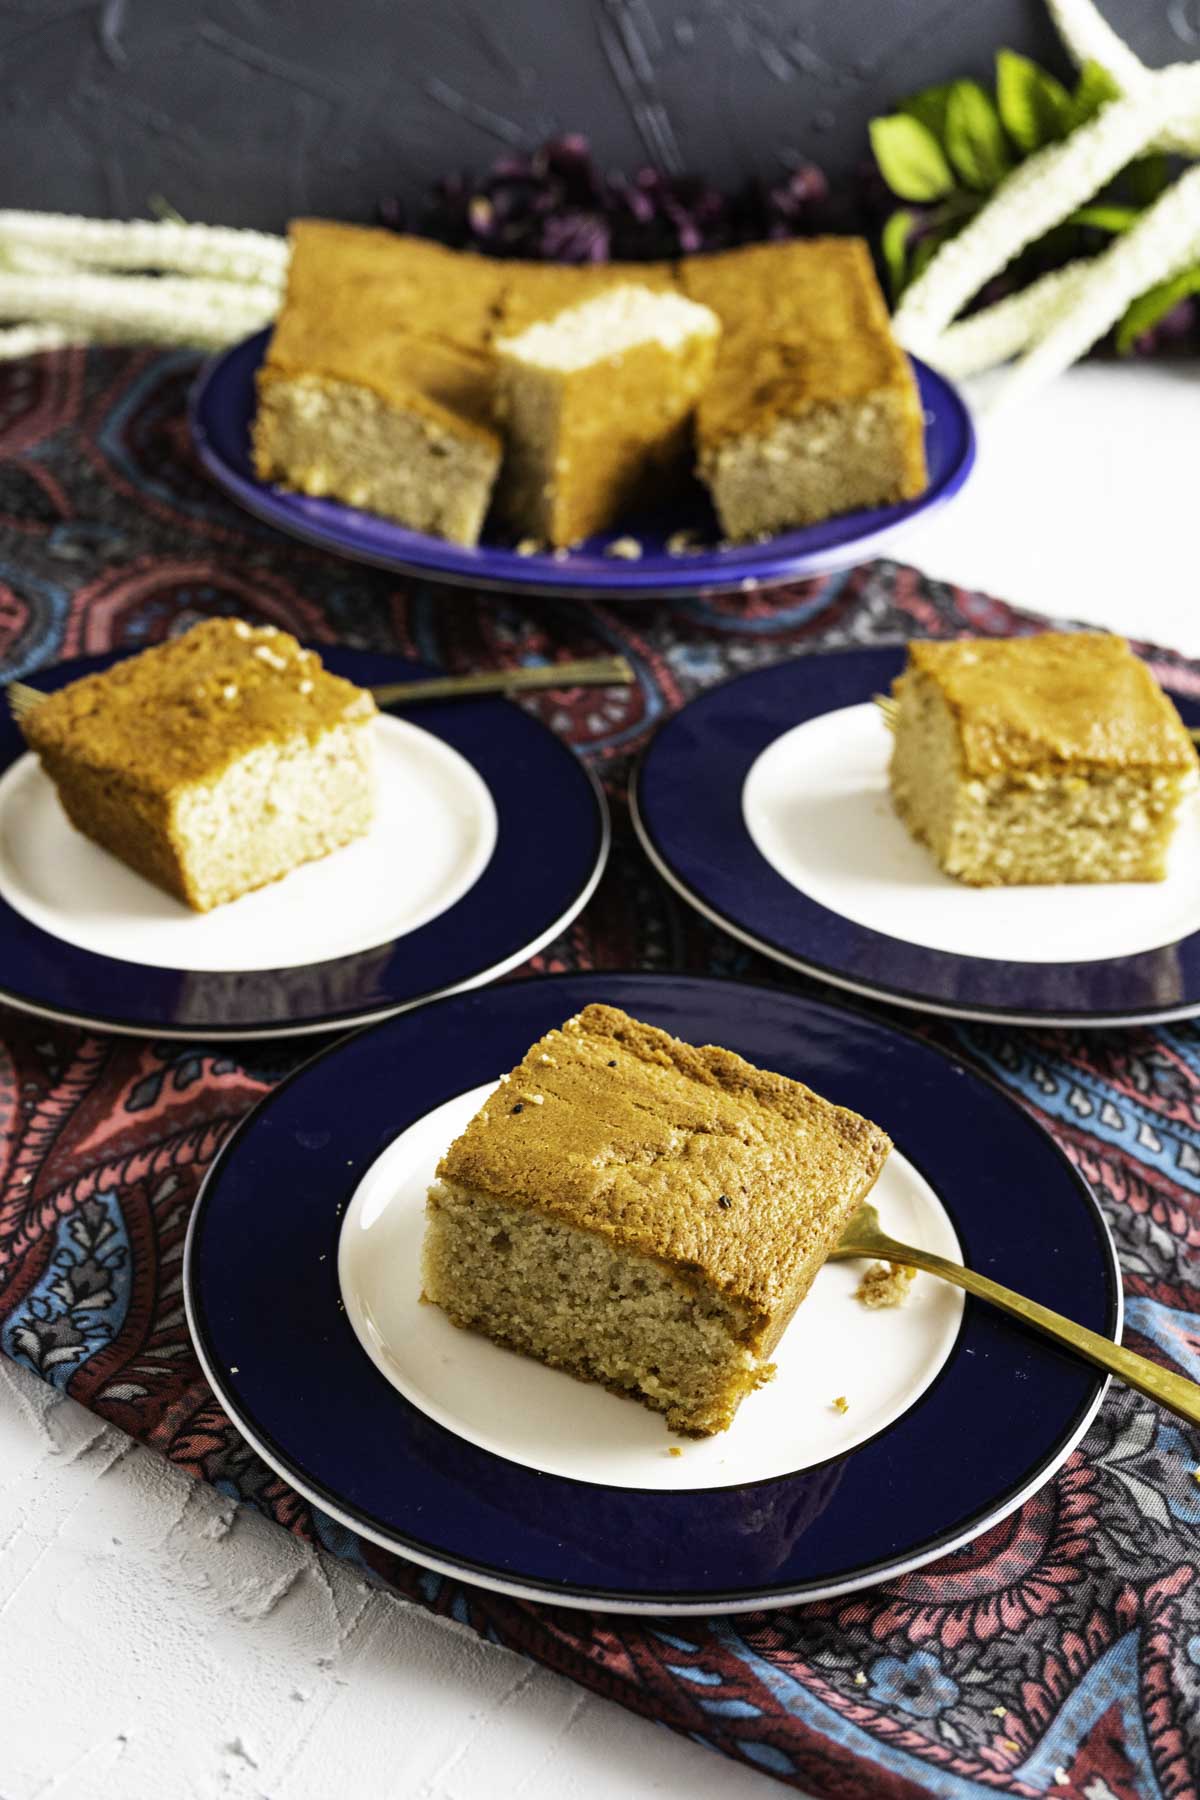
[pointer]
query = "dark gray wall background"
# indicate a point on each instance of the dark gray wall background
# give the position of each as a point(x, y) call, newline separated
point(243, 113)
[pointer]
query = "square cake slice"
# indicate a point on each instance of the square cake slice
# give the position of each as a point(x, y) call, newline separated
point(596, 404)
point(813, 408)
point(1055, 758)
point(214, 763)
point(377, 384)
point(644, 1214)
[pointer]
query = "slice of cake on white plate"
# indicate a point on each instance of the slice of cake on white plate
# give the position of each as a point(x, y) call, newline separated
point(595, 402)
point(214, 763)
point(1055, 758)
point(644, 1213)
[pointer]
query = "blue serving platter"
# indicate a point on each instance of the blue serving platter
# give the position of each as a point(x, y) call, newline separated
point(222, 408)
point(797, 851)
point(490, 835)
point(271, 1315)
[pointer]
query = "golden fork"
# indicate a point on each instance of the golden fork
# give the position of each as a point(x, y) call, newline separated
point(594, 671)
point(863, 1236)
point(890, 709)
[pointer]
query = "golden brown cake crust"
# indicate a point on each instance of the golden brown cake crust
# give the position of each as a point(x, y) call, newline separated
point(1061, 700)
point(182, 711)
point(387, 282)
point(804, 325)
point(731, 1175)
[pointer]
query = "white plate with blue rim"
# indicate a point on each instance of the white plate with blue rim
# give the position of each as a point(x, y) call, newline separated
point(303, 1288)
point(489, 837)
point(764, 802)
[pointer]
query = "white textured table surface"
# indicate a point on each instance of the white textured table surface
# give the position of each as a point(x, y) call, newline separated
point(155, 1643)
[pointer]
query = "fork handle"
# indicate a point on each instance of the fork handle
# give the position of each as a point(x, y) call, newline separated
point(1175, 1392)
point(593, 671)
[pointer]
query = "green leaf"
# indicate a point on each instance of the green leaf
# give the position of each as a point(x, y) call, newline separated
point(928, 108)
point(1105, 216)
point(975, 140)
point(1034, 106)
point(910, 158)
point(1145, 312)
point(1148, 177)
point(1094, 89)
point(893, 243)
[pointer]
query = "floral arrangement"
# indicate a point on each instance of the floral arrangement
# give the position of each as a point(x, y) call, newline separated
point(1036, 221)
point(1121, 117)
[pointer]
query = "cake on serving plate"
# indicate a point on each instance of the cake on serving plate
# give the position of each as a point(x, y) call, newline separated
point(644, 1214)
point(378, 387)
point(813, 408)
point(596, 402)
point(213, 763)
point(1055, 758)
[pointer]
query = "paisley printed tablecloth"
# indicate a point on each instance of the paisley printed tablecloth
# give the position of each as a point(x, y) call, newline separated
point(1059, 1652)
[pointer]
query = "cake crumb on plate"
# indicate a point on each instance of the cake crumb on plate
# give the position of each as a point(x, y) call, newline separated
point(629, 549)
point(885, 1284)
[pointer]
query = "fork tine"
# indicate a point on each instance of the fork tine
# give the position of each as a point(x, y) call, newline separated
point(21, 699)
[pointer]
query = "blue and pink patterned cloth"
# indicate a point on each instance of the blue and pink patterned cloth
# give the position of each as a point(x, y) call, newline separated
point(1060, 1652)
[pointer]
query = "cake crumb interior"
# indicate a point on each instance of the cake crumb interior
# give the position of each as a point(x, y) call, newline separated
point(574, 1301)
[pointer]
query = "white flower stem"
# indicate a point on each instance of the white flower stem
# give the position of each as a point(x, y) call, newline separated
point(1005, 329)
point(1035, 197)
point(1164, 240)
point(216, 251)
point(158, 309)
point(1088, 37)
point(29, 340)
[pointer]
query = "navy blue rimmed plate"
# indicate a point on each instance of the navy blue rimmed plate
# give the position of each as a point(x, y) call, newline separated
point(796, 850)
point(490, 836)
point(266, 1313)
point(222, 408)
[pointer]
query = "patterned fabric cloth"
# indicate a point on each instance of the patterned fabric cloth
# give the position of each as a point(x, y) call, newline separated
point(1058, 1652)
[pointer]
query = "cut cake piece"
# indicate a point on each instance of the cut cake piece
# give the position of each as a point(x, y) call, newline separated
point(644, 1214)
point(813, 408)
point(1055, 758)
point(377, 387)
point(596, 404)
point(214, 763)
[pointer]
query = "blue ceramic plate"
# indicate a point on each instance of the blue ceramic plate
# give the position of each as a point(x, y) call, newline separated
point(413, 1437)
point(222, 407)
point(489, 836)
point(796, 850)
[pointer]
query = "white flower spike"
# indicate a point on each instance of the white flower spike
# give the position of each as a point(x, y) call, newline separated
point(1060, 317)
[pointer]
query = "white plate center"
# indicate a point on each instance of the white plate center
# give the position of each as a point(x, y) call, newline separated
point(879, 1361)
point(816, 804)
point(434, 832)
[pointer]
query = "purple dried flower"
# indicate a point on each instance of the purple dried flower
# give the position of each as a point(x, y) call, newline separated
point(575, 238)
point(557, 204)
